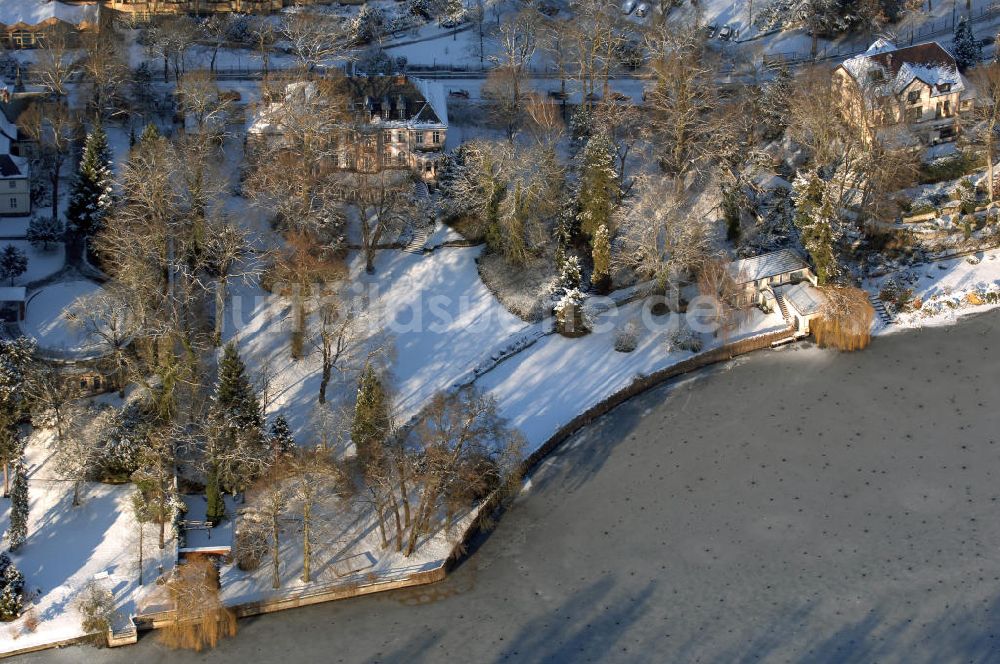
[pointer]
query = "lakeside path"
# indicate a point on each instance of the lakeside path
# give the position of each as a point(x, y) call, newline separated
point(798, 505)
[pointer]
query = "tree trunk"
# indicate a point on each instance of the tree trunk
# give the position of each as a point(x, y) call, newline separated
point(327, 370)
point(6, 478)
point(56, 169)
point(306, 548)
point(76, 493)
point(989, 162)
point(220, 308)
point(399, 525)
point(380, 513)
point(275, 578)
point(142, 528)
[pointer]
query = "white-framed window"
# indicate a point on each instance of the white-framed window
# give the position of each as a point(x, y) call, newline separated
point(388, 137)
point(13, 203)
point(436, 137)
point(11, 184)
point(420, 138)
point(401, 158)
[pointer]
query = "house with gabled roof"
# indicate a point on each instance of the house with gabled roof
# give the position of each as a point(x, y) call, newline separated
point(756, 277)
point(917, 86)
point(393, 122)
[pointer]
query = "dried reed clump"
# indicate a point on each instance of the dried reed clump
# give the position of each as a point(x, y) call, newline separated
point(846, 320)
point(200, 620)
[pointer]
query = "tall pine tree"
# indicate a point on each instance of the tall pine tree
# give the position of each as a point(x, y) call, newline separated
point(372, 417)
point(968, 52)
point(601, 254)
point(282, 441)
point(598, 184)
point(91, 196)
point(235, 400)
point(816, 218)
point(18, 530)
point(216, 510)
point(238, 447)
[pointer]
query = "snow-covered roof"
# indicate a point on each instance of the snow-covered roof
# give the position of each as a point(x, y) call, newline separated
point(12, 294)
point(434, 93)
point(892, 68)
point(423, 103)
point(766, 266)
point(33, 12)
point(13, 168)
point(805, 298)
point(8, 133)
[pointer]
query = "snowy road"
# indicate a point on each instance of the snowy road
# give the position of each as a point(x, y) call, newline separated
point(799, 505)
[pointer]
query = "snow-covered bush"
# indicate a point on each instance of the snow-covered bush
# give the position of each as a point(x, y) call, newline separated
point(627, 337)
point(121, 435)
point(571, 274)
point(44, 232)
point(251, 545)
point(682, 338)
point(11, 589)
point(96, 606)
point(526, 290)
point(369, 25)
point(571, 320)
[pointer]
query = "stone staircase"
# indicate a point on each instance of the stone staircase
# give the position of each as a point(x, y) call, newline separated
point(782, 306)
point(419, 239)
point(881, 311)
point(421, 231)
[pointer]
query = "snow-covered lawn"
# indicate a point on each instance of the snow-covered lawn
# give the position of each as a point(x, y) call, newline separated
point(546, 386)
point(439, 322)
point(945, 289)
point(46, 317)
point(41, 263)
point(67, 546)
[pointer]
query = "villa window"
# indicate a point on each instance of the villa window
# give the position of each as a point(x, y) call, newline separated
point(13, 203)
point(436, 138)
point(388, 137)
point(914, 115)
point(944, 87)
point(11, 184)
point(420, 138)
point(913, 97)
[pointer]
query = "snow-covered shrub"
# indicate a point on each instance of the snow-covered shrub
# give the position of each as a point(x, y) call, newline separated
point(895, 295)
point(571, 274)
point(681, 337)
point(121, 435)
point(44, 232)
point(627, 337)
point(571, 320)
point(96, 606)
point(369, 25)
point(523, 290)
point(251, 545)
point(11, 589)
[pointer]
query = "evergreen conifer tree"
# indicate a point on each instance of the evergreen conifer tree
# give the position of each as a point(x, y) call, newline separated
point(815, 217)
point(43, 232)
point(601, 277)
point(598, 184)
point(18, 530)
point(967, 51)
point(91, 196)
point(11, 589)
point(13, 263)
point(235, 400)
point(216, 510)
point(372, 419)
point(282, 441)
point(773, 105)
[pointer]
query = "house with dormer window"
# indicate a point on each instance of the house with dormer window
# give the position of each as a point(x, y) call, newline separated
point(394, 122)
point(917, 86)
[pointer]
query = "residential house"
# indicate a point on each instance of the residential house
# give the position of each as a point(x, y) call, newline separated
point(144, 9)
point(803, 304)
point(757, 277)
point(917, 87)
point(15, 188)
point(393, 122)
point(28, 23)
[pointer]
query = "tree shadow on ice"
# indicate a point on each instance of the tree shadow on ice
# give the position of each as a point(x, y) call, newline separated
point(591, 624)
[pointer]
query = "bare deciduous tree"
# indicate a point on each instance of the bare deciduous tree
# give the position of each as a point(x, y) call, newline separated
point(54, 128)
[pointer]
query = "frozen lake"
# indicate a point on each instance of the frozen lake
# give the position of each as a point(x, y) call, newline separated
point(800, 506)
